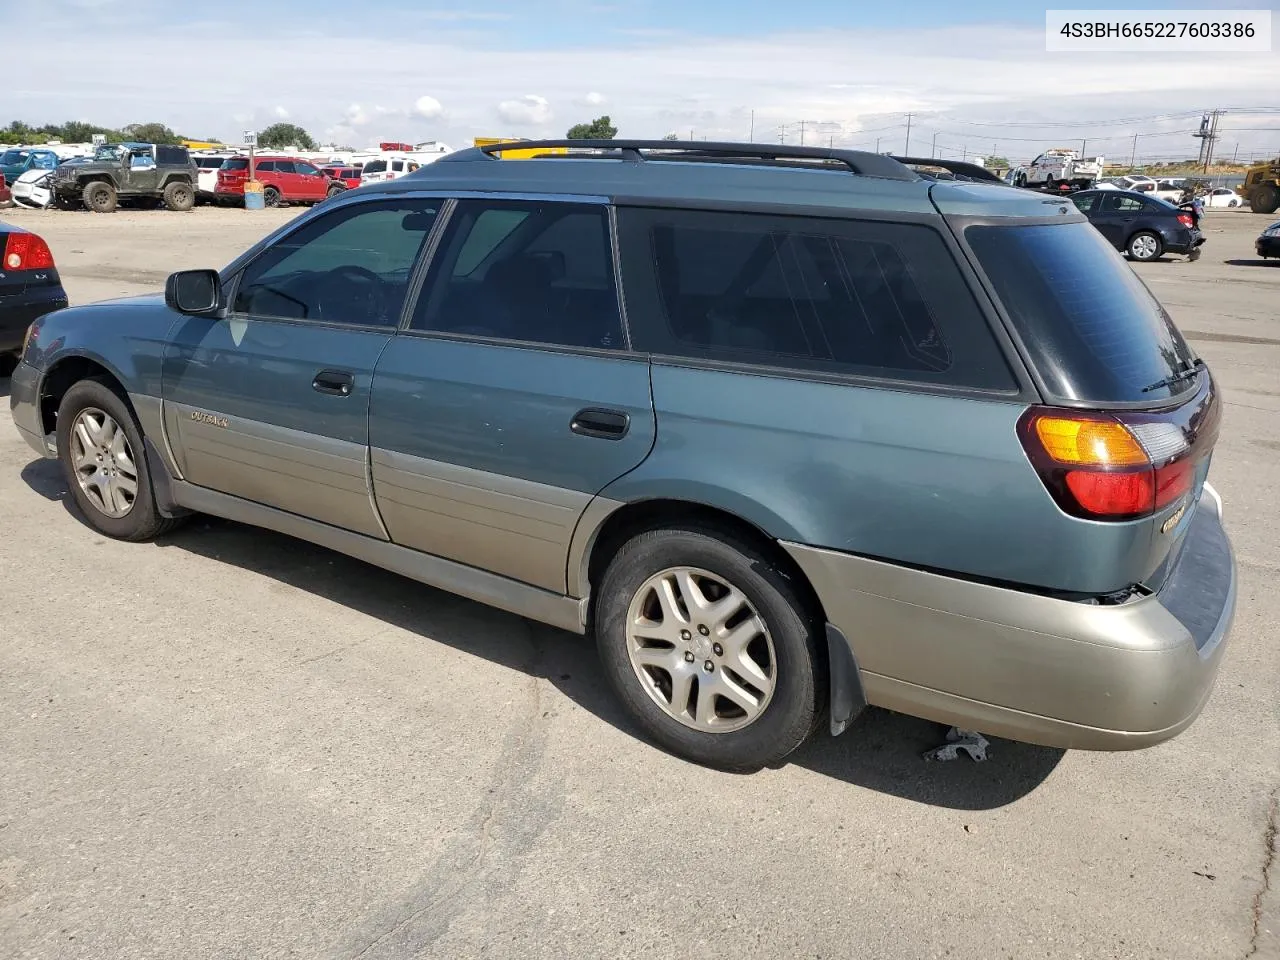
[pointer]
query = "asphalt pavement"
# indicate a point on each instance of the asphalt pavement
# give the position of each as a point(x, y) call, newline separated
point(230, 744)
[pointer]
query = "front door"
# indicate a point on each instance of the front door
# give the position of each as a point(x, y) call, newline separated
point(272, 403)
point(140, 173)
point(311, 183)
point(1116, 216)
point(512, 400)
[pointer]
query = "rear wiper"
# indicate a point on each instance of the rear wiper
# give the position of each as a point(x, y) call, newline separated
point(1184, 374)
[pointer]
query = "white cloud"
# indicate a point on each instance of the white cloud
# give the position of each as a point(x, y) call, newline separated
point(594, 99)
point(281, 113)
point(427, 108)
point(529, 109)
point(860, 82)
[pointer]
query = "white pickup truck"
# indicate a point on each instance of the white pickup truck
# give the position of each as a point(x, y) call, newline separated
point(1053, 168)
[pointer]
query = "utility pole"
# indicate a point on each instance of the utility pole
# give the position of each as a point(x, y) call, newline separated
point(906, 150)
point(802, 133)
point(964, 152)
point(1209, 140)
point(933, 147)
point(1084, 145)
point(751, 137)
point(1134, 155)
point(1236, 155)
point(877, 144)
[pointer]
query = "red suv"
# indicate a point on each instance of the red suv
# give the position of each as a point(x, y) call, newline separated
point(350, 176)
point(283, 179)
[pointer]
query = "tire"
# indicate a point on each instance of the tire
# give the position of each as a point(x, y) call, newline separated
point(1144, 246)
point(1051, 185)
point(179, 197)
point(334, 191)
point(1264, 198)
point(100, 197)
point(1019, 179)
point(271, 197)
point(94, 399)
point(787, 647)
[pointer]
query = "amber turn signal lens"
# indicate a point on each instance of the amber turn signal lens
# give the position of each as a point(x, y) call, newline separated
point(1095, 443)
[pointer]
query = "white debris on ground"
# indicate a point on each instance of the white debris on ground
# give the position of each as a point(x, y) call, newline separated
point(970, 741)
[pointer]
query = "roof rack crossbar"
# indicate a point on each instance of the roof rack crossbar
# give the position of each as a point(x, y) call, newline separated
point(857, 161)
point(970, 171)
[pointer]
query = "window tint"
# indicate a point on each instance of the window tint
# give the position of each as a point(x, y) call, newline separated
point(397, 166)
point(375, 166)
point(835, 296)
point(236, 163)
point(351, 266)
point(1086, 202)
point(503, 271)
point(285, 166)
point(264, 166)
point(1091, 327)
point(1119, 203)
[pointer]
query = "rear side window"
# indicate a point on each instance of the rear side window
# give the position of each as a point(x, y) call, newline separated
point(1091, 328)
point(833, 296)
point(170, 154)
point(537, 272)
point(1119, 203)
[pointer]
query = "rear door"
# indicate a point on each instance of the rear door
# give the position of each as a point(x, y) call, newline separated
point(513, 397)
point(272, 404)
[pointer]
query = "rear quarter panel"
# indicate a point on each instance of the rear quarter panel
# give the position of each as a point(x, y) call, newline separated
point(918, 479)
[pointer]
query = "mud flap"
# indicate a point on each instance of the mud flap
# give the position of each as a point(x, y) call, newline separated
point(847, 696)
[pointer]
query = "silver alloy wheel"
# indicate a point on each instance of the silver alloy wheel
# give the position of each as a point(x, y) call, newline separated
point(700, 649)
point(1143, 247)
point(103, 462)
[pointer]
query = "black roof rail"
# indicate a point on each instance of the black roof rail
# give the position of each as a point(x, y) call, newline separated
point(961, 169)
point(857, 161)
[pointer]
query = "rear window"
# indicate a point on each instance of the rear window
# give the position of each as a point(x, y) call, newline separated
point(1091, 327)
point(238, 163)
point(209, 163)
point(375, 166)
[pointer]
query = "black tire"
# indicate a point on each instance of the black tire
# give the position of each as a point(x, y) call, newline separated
point(179, 197)
point(334, 191)
point(1137, 249)
point(1264, 198)
point(1051, 185)
point(271, 197)
point(100, 197)
point(143, 521)
point(800, 690)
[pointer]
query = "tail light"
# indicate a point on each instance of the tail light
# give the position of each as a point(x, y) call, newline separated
point(1124, 466)
point(26, 251)
point(1186, 220)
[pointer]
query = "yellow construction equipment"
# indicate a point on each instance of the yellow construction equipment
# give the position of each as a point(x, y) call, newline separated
point(517, 154)
point(1261, 187)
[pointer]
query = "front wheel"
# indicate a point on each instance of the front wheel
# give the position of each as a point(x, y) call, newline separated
point(104, 461)
point(711, 650)
point(1144, 246)
point(100, 197)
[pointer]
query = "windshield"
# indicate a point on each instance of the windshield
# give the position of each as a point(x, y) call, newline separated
point(1091, 328)
point(108, 153)
point(14, 156)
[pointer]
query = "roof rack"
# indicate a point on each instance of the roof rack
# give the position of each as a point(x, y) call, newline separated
point(857, 161)
point(961, 169)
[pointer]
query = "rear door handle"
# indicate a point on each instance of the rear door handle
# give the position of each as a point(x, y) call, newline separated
point(338, 383)
point(604, 424)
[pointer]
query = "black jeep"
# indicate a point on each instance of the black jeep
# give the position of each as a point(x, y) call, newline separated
point(128, 171)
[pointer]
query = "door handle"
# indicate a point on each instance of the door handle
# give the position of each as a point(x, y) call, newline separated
point(338, 383)
point(604, 424)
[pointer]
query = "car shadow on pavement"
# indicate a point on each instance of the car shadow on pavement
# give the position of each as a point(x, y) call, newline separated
point(1253, 263)
point(880, 751)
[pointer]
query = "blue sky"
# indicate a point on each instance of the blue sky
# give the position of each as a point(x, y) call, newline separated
point(974, 75)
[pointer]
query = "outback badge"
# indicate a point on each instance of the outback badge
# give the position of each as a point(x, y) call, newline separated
point(214, 421)
point(1173, 519)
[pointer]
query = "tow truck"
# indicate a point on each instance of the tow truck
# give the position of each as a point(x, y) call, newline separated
point(1058, 168)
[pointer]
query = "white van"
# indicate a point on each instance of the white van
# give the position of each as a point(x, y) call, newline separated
point(387, 167)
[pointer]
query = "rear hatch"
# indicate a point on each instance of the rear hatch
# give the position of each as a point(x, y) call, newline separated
point(1129, 414)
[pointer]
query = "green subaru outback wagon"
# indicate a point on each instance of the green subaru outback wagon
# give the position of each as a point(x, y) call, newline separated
point(789, 431)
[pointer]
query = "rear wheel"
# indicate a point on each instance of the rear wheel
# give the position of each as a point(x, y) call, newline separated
point(1264, 198)
point(104, 461)
point(179, 197)
point(100, 197)
point(271, 197)
point(1145, 245)
point(711, 650)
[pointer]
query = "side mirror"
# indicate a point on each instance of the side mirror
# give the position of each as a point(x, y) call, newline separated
point(197, 293)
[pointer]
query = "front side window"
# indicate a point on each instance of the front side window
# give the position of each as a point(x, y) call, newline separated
point(832, 296)
point(1085, 202)
point(538, 272)
point(351, 266)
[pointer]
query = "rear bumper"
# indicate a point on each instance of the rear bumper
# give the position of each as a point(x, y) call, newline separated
point(1035, 668)
point(1183, 241)
point(18, 311)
